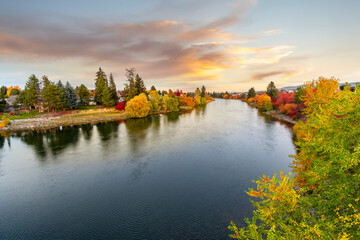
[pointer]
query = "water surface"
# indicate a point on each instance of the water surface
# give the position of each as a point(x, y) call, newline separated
point(174, 176)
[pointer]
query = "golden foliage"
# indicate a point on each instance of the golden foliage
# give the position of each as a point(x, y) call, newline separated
point(138, 107)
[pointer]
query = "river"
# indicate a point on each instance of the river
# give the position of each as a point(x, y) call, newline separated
point(174, 176)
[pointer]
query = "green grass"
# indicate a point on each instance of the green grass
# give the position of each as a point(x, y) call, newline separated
point(24, 115)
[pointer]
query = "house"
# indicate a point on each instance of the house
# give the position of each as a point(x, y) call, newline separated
point(11, 100)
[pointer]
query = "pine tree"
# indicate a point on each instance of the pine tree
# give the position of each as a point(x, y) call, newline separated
point(251, 92)
point(60, 85)
point(153, 88)
point(139, 85)
point(100, 84)
point(84, 94)
point(70, 96)
point(101, 75)
point(113, 88)
point(3, 91)
point(272, 90)
point(31, 92)
point(53, 96)
point(129, 90)
point(107, 98)
point(45, 81)
point(203, 91)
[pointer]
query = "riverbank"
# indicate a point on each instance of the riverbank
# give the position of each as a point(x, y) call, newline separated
point(276, 115)
point(44, 121)
point(70, 118)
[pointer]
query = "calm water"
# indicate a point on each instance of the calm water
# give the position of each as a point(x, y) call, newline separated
point(176, 176)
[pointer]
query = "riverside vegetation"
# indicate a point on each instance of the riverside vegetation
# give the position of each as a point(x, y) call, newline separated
point(67, 105)
point(322, 199)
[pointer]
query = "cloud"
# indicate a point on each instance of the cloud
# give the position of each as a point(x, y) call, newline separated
point(283, 75)
point(157, 49)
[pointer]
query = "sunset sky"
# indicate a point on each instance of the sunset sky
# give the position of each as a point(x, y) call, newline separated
point(224, 45)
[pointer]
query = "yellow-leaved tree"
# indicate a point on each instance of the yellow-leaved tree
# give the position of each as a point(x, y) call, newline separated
point(322, 200)
point(138, 107)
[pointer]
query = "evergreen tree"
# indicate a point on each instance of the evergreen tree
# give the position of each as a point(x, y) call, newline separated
point(45, 81)
point(70, 96)
point(53, 96)
point(60, 85)
point(107, 98)
point(113, 88)
point(3, 91)
point(101, 75)
point(129, 90)
point(203, 91)
point(153, 88)
point(139, 85)
point(271, 90)
point(100, 84)
point(251, 92)
point(32, 92)
point(84, 94)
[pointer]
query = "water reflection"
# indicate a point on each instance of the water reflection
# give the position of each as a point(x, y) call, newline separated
point(87, 131)
point(2, 141)
point(108, 131)
point(139, 174)
point(137, 132)
point(60, 139)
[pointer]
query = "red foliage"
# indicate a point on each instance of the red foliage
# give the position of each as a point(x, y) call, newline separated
point(11, 113)
point(177, 93)
point(120, 106)
point(282, 99)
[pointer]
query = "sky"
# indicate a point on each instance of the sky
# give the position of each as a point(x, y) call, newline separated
point(227, 45)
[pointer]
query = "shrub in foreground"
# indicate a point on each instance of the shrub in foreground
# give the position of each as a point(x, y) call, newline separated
point(322, 200)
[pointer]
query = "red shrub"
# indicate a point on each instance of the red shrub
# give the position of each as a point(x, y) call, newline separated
point(282, 99)
point(120, 106)
point(11, 113)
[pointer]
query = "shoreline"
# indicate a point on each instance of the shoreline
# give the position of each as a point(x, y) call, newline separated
point(50, 121)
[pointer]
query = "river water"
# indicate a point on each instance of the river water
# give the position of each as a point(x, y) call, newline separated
point(174, 176)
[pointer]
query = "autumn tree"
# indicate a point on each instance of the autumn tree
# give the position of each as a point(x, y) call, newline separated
point(155, 100)
point(203, 91)
point(322, 200)
point(170, 103)
point(299, 94)
point(264, 102)
point(138, 107)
